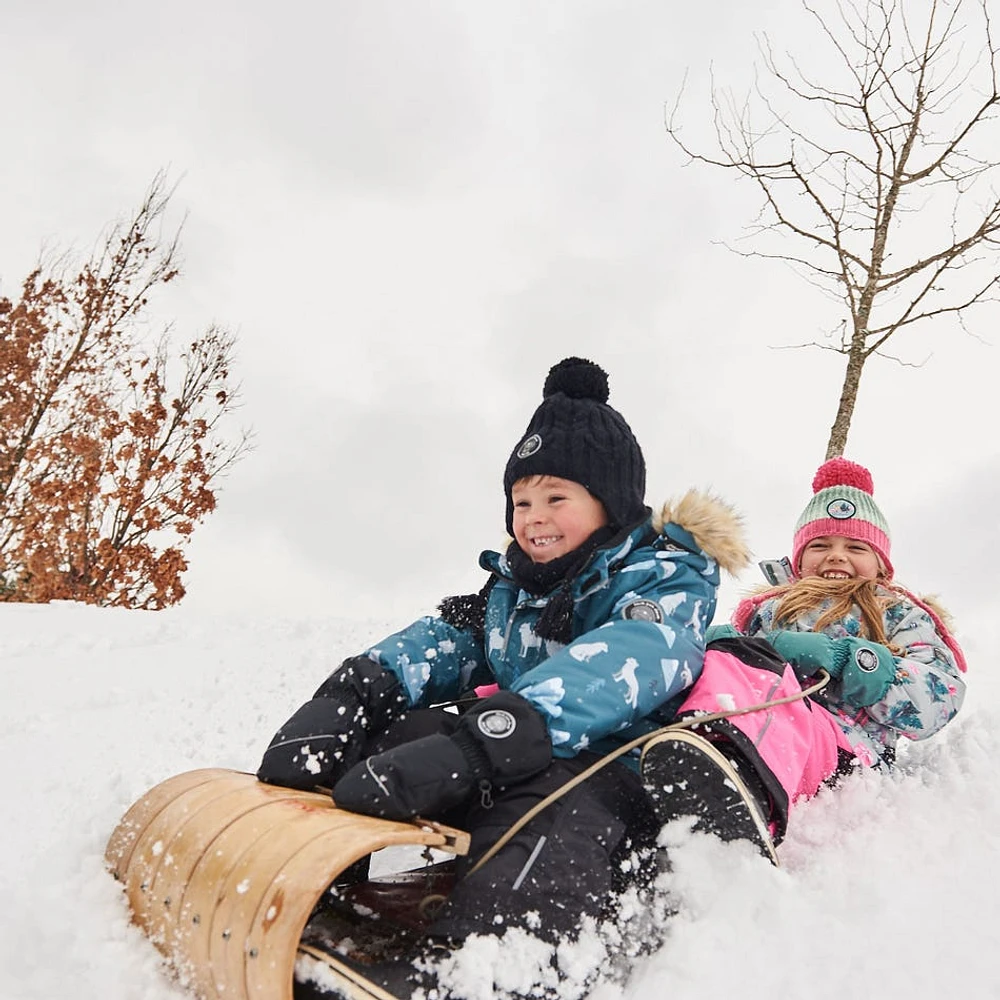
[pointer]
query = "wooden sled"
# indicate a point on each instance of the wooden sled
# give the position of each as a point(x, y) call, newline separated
point(222, 872)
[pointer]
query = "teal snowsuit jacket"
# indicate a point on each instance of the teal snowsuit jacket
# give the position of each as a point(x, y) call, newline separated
point(641, 607)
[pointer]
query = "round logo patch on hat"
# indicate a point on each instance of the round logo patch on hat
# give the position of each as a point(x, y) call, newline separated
point(529, 446)
point(866, 659)
point(841, 509)
point(496, 724)
point(643, 610)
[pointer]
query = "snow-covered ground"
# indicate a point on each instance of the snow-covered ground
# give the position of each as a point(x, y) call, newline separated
point(887, 886)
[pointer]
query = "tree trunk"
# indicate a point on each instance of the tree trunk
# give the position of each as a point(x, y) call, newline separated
point(837, 442)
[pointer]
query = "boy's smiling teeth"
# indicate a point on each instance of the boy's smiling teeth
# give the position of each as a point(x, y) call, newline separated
point(545, 540)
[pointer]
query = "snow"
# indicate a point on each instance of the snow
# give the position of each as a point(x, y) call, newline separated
point(885, 886)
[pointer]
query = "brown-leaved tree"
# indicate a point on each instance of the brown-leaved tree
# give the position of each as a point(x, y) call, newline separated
point(111, 450)
point(876, 154)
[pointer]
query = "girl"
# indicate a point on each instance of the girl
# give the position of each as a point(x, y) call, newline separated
point(896, 669)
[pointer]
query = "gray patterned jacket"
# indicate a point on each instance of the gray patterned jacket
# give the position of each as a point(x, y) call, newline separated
point(928, 690)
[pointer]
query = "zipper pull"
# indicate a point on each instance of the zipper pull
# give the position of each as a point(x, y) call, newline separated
point(485, 794)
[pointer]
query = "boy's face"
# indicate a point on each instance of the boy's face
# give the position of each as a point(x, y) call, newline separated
point(553, 516)
point(834, 557)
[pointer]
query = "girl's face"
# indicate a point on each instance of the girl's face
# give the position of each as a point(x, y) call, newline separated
point(834, 557)
point(553, 516)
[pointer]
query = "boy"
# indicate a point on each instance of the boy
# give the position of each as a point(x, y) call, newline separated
point(591, 626)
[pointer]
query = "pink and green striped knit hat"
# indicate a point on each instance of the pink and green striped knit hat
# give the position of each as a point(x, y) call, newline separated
point(843, 505)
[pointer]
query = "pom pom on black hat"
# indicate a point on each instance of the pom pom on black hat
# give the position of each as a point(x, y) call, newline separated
point(577, 378)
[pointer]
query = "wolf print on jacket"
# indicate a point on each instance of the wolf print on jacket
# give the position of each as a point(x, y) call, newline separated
point(640, 609)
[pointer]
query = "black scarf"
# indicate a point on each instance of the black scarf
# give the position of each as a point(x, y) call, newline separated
point(556, 577)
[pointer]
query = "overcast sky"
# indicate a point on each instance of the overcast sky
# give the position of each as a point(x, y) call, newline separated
point(408, 212)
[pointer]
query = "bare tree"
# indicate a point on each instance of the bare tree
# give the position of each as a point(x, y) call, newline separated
point(876, 153)
point(110, 451)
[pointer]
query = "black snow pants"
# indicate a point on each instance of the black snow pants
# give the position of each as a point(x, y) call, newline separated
point(567, 862)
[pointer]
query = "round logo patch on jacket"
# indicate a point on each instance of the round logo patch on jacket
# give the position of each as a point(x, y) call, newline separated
point(496, 724)
point(529, 446)
point(642, 609)
point(866, 659)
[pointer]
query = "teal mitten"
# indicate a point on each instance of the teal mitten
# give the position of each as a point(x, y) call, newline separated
point(807, 652)
point(714, 632)
point(866, 670)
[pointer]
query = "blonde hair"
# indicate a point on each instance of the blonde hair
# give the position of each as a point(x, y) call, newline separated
point(812, 592)
point(809, 594)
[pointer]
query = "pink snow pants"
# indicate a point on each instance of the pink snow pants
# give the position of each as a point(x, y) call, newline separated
point(797, 741)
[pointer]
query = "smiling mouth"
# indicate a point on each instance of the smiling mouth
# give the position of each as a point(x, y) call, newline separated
point(545, 541)
point(835, 574)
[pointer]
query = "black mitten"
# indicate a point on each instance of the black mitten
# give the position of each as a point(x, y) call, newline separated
point(327, 735)
point(499, 742)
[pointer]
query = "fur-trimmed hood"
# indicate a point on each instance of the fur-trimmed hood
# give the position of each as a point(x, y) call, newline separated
point(714, 524)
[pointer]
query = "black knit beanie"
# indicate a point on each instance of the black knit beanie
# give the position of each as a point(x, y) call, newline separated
point(575, 435)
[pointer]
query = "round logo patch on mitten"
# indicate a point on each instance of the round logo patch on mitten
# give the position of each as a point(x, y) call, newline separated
point(496, 724)
point(866, 659)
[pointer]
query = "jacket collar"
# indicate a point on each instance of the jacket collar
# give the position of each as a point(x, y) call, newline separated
point(602, 564)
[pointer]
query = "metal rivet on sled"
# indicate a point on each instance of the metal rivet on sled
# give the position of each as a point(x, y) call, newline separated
point(166, 902)
point(252, 952)
point(226, 934)
point(143, 886)
point(196, 919)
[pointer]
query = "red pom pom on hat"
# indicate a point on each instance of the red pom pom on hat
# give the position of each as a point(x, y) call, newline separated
point(841, 472)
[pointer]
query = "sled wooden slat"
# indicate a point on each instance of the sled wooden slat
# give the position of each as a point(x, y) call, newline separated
point(205, 890)
point(141, 813)
point(243, 888)
point(154, 851)
point(173, 912)
point(278, 920)
point(222, 872)
point(349, 983)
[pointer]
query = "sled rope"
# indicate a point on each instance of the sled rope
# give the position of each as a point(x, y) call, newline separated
point(688, 723)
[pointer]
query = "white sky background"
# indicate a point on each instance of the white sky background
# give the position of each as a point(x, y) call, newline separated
point(408, 213)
